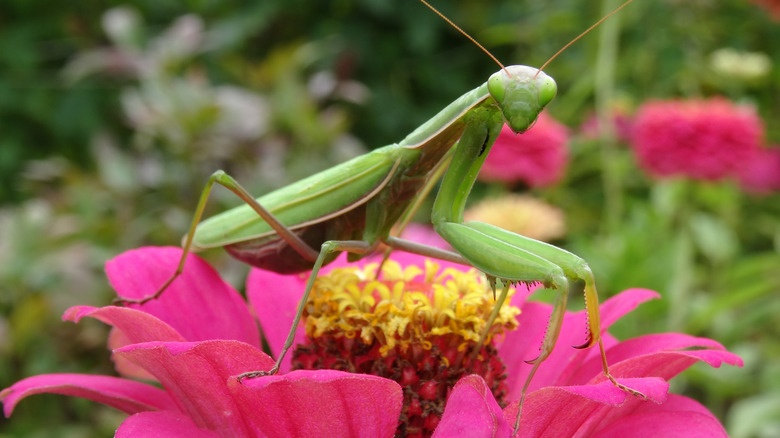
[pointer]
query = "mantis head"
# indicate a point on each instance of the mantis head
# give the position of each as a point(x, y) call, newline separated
point(521, 92)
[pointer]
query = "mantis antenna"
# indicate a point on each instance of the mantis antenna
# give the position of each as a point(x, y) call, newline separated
point(466, 35)
point(581, 35)
point(549, 60)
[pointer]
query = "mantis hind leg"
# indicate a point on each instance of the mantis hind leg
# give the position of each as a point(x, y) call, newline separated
point(225, 180)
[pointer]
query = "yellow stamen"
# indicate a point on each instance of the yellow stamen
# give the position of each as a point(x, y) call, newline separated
point(405, 308)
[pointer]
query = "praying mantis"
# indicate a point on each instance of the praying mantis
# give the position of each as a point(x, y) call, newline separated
point(353, 206)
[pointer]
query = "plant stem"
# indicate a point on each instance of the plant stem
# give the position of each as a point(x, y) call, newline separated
point(604, 94)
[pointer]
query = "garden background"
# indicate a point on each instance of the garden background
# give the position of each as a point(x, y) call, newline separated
point(113, 116)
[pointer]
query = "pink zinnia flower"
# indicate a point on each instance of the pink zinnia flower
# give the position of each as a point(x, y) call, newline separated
point(569, 395)
point(702, 139)
point(198, 336)
point(536, 157)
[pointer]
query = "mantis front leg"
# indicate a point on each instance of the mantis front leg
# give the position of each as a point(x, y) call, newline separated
point(507, 256)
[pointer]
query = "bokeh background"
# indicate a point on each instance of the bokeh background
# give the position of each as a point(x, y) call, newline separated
point(113, 115)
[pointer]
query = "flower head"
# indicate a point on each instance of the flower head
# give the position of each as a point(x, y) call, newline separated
point(537, 157)
point(195, 358)
point(413, 326)
point(701, 139)
point(569, 394)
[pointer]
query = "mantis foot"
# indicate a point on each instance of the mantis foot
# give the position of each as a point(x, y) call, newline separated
point(253, 374)
point(625, 388)
point(125, 301)
point(612, 379)
point(119, 301)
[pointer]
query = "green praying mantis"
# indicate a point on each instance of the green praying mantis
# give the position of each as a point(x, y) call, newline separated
point(353, 206)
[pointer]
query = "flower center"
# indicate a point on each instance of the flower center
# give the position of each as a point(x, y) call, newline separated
point(416, 327)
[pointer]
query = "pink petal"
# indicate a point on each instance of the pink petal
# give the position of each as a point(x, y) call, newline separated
point(161, 424)
point(196, 375)
point(621, 304)
point(519, 345)
point(667, 364)
point(275, 299)
point(472, 411)
point(319, 403)
point(644, 356)
point(137, 326)
point(523, 292)
point(198, 304)
point(124, 367)
point(126, 395)
point(131, 326)
point(570, 410)
point(426, 235)
point(678, 417)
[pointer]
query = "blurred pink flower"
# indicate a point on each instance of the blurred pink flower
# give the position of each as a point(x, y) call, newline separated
point(702, 139)
point(537, 157)
point(762, 173)
point(173, 340)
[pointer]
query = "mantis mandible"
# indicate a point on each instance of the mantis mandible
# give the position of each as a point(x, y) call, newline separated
point(353, 206)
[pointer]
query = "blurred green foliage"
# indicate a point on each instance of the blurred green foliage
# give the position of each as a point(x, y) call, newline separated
point(111, 122)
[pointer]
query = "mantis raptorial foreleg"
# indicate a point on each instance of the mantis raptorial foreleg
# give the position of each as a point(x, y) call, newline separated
point(507, 256)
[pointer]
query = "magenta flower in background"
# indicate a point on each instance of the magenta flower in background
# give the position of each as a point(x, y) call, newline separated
point(537, 157)
point(702, 139)
point(200, 335)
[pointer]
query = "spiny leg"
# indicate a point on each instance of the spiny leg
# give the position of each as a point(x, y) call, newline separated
point(554, 325)
point(491, 319)
point(594, 327)
point(329, 247)
point(225, 180)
